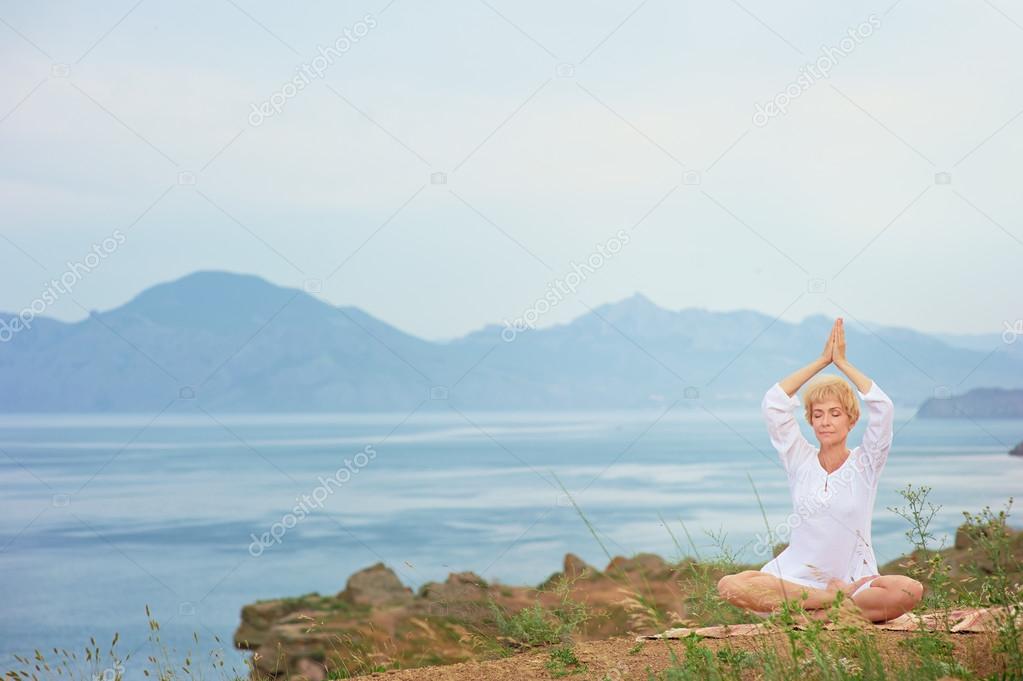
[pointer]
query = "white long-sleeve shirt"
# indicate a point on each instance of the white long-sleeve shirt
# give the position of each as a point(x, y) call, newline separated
point(829, 531)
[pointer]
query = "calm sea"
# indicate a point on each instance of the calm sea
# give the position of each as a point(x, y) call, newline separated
point(103, 515)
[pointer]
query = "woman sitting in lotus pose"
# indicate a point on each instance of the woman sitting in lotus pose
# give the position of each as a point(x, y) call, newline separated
point(833, 490)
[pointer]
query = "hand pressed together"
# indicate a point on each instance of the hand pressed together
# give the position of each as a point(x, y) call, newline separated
point(834, 347)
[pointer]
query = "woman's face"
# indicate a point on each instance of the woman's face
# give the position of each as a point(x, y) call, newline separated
point(829, 421)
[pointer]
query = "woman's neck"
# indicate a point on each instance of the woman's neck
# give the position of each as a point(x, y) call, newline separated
point(835, 453)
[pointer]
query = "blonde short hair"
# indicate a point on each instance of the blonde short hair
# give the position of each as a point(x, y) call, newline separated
point(831, 386)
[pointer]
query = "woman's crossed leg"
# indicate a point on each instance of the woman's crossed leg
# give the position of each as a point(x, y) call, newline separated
point(886, 598)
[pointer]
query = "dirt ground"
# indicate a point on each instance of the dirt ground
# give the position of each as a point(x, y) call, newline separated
point(612, 660)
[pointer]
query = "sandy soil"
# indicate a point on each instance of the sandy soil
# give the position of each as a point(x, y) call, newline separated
point(611, 659)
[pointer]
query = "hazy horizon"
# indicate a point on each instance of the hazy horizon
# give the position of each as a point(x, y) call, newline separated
point(541, 324)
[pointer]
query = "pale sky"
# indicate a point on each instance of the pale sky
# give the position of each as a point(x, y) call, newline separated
point(556, 124)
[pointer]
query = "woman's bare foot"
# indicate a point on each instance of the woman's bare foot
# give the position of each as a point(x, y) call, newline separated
point(850, 611)
point(847, 588)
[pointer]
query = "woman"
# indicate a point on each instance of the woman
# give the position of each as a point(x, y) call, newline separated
point(833, 490)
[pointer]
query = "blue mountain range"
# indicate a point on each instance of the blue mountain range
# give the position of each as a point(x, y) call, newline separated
point(236, 342)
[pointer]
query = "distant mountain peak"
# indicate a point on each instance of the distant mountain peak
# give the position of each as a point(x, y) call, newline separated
point(637, 299)
point(207, 298)
point(636, 303)
point(216, 282)
point(635, 314)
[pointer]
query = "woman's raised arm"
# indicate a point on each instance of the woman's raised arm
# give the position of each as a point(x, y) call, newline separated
point(844, 365)
point(877, 440)
point(779, 406)
point(794, 381)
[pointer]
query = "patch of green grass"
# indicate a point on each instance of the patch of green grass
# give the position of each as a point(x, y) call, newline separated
point(698, 577)
point(992, 539)
point(563, 661)
point(697, 662)
point(539, 625)
point(931, 568)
